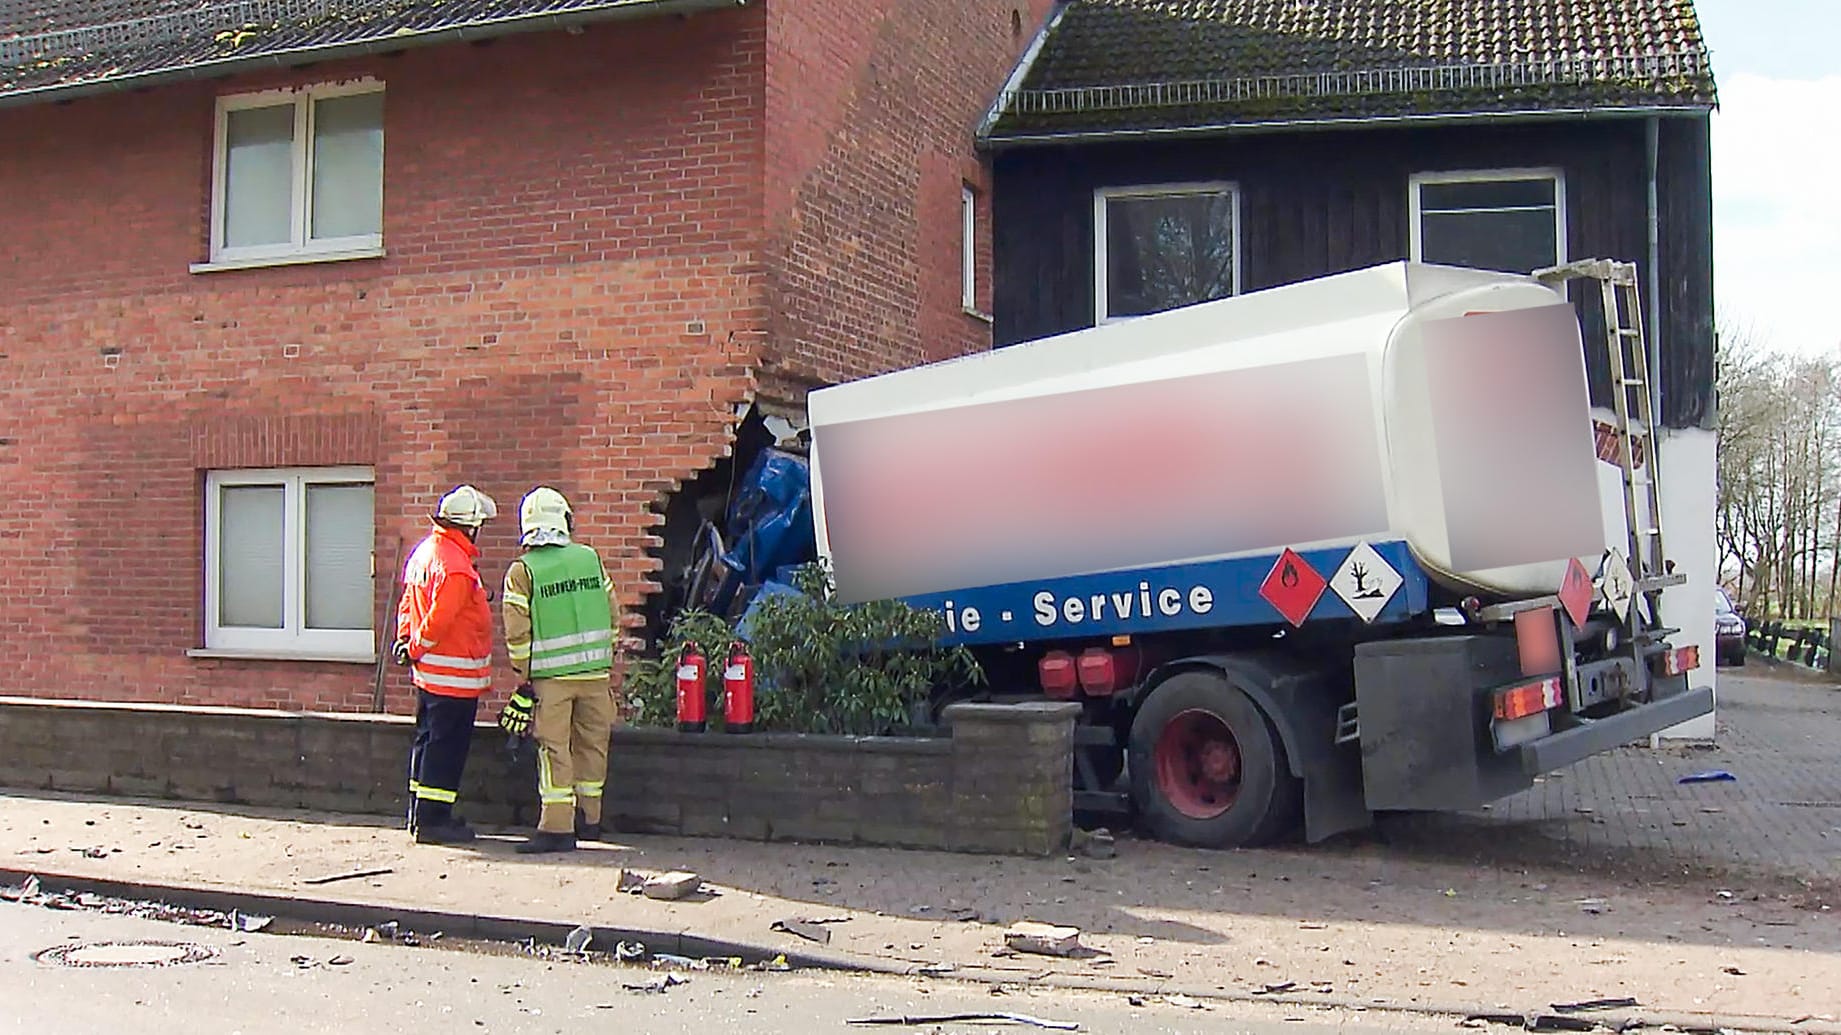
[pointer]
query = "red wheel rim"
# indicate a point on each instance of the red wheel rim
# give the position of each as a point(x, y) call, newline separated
point(1198, 764)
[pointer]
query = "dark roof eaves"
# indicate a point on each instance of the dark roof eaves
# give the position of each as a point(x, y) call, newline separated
point(998, 140)
point(613, 10)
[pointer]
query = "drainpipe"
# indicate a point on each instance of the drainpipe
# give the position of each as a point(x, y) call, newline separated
point(1652, 129)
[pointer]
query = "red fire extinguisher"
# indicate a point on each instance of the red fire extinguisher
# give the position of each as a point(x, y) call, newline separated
point(690, 689)
point(738, 690)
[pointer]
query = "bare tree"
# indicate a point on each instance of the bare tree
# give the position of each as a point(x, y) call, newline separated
point(1779, 476)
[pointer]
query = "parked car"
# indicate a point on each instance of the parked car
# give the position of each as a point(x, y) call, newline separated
point(1728, 630)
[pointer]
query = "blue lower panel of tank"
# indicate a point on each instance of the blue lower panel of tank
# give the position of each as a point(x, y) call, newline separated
point(1202, 595)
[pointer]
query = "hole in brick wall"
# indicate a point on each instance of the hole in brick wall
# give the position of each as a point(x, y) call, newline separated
point(689, 564)
point(1016, 24)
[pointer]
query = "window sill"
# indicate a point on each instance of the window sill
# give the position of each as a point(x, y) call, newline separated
point(977, 314)
point(292, 259)
point(281, 655)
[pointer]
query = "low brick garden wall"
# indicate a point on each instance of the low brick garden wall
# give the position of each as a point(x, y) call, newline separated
point(1000, 782)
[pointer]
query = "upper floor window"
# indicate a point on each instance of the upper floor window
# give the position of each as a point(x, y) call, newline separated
point(968, 249)
point(1512, 220)
point(299, 174)
point(1160, 247)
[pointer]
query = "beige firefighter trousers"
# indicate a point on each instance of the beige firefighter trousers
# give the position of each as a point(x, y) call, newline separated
point(573, 720)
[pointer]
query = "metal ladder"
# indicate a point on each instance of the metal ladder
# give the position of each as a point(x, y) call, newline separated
point(1634, 404)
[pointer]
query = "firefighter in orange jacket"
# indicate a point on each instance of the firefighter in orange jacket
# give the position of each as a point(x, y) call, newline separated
point(444, 634)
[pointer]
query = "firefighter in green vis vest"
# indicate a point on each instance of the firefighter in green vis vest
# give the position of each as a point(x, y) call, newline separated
point(559, 632)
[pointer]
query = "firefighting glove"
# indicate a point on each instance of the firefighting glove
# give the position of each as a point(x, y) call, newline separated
point(515, 719)
point(399, 651)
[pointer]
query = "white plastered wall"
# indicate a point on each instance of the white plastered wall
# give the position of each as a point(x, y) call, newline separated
point(1688, 500)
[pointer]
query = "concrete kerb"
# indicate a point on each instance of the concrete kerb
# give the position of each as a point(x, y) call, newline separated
point(359, 914)
point(355, 913)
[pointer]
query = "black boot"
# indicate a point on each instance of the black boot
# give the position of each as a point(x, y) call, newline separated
point(584, 830)
point(544, 841)
point(453, 832)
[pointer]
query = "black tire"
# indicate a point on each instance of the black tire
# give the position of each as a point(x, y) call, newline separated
point(1267, 802)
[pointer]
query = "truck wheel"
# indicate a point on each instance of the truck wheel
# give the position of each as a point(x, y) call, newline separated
point(1207, 768)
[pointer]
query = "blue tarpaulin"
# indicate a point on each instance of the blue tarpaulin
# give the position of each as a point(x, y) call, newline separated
point(769, 525)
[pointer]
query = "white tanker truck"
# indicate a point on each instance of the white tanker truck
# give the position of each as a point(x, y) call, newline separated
point(1302, 555)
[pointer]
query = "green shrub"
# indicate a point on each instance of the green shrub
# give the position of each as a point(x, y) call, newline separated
point(820, 666)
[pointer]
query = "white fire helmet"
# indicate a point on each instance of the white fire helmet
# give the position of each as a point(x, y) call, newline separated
point(543, 518)
point(467, 506)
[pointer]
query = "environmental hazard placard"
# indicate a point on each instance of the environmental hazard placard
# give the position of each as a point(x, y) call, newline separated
point(1366, 582)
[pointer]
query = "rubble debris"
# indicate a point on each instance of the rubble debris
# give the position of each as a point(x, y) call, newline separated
point(1094, 844)
point(1595, 1004)
point(656, 983)
point(1043, 939)
point(248, 923)
point(578, 939)
point(1275, 988)
point(673, 886)
point(348, 875)
point(810, 930)
point(913, 1021)
point(630, 882)
point(629, 952)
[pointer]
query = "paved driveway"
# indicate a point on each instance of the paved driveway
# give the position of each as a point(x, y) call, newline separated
point(1626, 812)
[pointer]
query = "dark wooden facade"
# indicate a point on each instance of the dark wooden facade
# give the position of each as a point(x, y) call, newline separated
point(1327, 201)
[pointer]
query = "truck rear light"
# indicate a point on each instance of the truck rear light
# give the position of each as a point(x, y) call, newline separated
point(1056, 672)
point(1680, 661)
point(1529, 699)
point(1099, 675)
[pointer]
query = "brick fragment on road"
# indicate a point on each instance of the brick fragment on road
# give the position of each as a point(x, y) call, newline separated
point(1043, 939)
point(673, 886)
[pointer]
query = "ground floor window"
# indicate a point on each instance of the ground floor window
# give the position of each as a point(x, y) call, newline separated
point(288, 561)
point(1512, 220)
point(1160, 247)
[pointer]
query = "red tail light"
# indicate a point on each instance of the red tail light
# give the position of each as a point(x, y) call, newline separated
point(1681, 660)
point(1529, 699)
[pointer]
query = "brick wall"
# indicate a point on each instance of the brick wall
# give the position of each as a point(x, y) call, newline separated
point(1001, 783)
point(593, 242)
point(572, 293)
point(871, 108)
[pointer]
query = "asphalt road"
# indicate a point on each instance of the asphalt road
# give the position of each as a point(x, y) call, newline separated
point(258, 983)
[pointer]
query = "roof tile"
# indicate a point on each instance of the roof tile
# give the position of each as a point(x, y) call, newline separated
point(1151, 65)
point(53, 46)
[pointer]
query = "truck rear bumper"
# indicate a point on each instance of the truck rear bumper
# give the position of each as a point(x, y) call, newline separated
point(1563, 749)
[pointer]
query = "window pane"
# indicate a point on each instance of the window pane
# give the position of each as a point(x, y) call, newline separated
point(249, 556)
point(1168, 251)
point(1515, 242)
point(339, 539)
point(1486, 194)
point(348, 166)
point(259, 176)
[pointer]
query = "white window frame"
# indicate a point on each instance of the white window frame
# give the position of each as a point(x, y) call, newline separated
point(300, 248)
point(968, 249)
point(293, 640)
point(1415, 221)
point(1153, 190)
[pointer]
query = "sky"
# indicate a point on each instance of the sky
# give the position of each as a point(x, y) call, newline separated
point(1777, 170)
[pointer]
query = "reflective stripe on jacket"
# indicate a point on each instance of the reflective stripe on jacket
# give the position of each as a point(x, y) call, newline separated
point(563, 593)
point(445, 617)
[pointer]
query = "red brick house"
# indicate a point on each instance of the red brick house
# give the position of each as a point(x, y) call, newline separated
point(274, 274)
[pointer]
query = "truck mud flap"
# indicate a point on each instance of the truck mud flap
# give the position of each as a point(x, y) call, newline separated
point(1560, 750)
